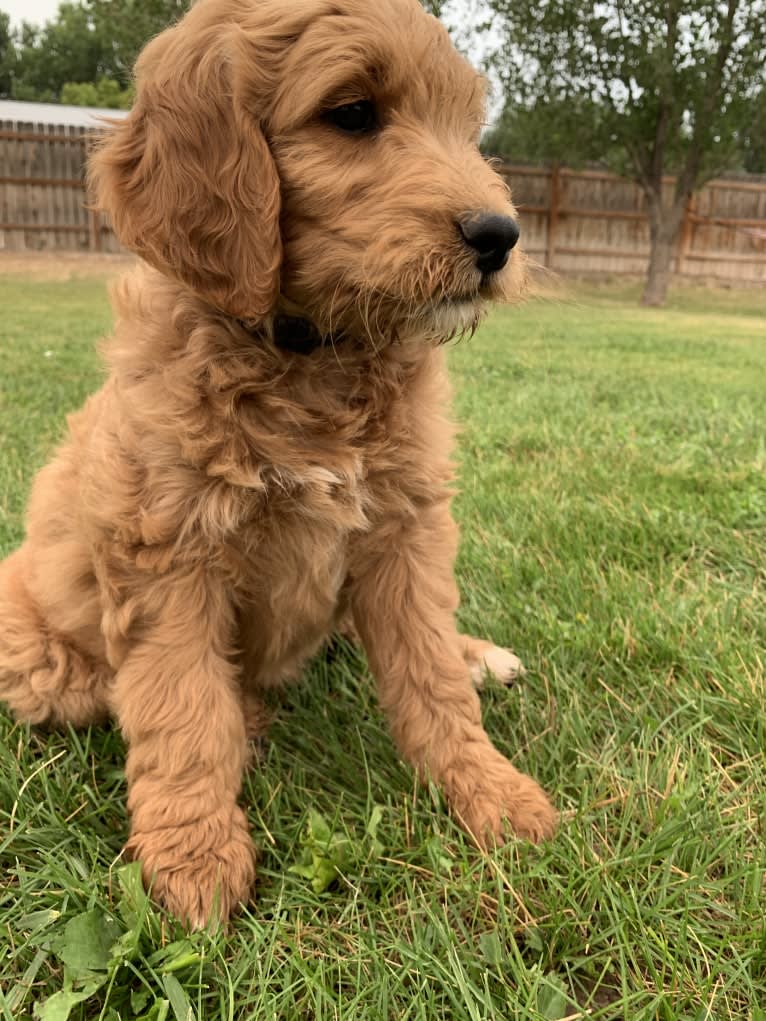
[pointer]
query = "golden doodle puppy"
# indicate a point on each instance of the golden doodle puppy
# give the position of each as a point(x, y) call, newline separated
point(270, 454)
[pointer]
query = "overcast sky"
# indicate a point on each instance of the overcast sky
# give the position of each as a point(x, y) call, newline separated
point(29, 10)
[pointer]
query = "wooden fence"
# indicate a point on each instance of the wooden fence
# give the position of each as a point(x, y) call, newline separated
point(594, 221)
point(42, 190)
point(580, 221)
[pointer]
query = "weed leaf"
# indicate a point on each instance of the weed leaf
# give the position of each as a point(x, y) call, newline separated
point(85, 946)
point(58, 1006)
point(552, 998)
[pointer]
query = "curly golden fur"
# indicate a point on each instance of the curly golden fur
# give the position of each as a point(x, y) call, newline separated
point(224, 503)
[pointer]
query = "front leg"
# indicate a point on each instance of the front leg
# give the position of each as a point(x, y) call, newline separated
point(177, 699)
point(404, 601)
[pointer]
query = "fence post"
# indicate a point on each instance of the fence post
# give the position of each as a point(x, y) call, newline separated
point(685, 237)
point(95, 230)
point(553, 214)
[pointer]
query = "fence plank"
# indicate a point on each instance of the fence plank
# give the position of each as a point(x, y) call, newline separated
point(553, 215)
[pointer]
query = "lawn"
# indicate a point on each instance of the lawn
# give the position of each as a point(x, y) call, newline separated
point(613, 504)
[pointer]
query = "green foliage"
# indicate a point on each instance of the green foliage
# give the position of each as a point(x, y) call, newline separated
point(542, 133)
point(89, 42)
point(67, 49)
point(7, 54)
point(100, 947)
point(327, 854)
point(128, 25)
point(754, 138)
point(105, 93)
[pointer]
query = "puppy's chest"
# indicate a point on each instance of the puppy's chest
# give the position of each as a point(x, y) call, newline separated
point(304, 506)
point(314, 492)
point(318, 452)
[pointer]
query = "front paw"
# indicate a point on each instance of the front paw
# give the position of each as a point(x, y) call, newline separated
point(198, 880)
point(493, 800)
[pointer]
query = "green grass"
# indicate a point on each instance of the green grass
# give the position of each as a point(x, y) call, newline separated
point(614, 533)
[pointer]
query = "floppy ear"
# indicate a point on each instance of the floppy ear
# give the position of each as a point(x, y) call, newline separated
point(188, 179)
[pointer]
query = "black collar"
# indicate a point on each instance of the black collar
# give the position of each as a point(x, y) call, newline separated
point(296, 334)
point(293, 333)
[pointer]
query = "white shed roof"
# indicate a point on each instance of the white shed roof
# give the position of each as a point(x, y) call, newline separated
point(54, 113)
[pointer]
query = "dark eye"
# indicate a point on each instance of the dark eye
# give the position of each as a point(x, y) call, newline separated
point(358, 118)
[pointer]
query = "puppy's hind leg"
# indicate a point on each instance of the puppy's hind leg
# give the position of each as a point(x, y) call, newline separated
point(44, 679)
point(487, 660)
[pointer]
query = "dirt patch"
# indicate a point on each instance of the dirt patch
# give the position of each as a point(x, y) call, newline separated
point(62, 265)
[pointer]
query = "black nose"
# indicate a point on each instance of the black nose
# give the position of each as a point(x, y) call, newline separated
point(491, 236)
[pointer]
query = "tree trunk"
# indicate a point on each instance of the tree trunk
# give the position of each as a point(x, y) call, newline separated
point(664, 227)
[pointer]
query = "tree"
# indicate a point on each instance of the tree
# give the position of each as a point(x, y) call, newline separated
point(754, 139)
point(105, 93)
point(7, 54)
point(66, 49)
point(652, 87)
point(127, 25)
point(517, 134)
point(87, 43)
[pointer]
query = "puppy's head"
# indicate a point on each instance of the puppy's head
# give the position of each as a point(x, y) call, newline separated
point(314, 155)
